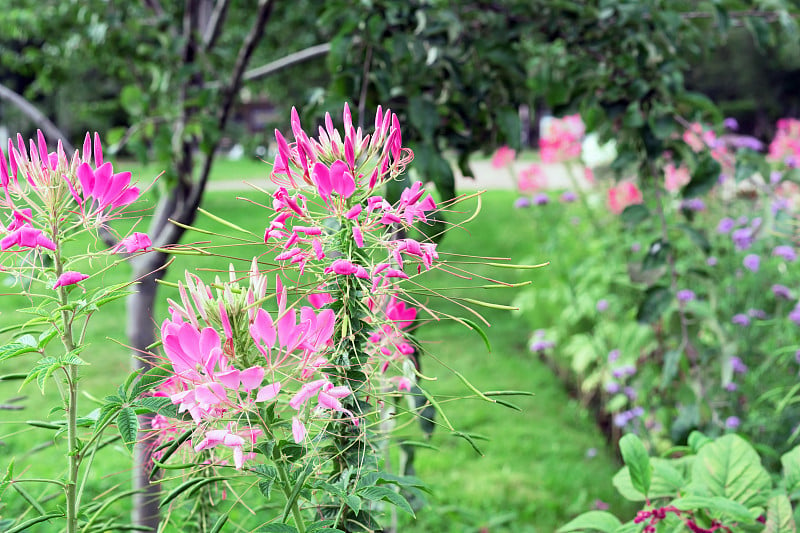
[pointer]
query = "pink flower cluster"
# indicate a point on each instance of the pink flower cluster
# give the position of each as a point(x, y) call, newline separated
point(623, 195)
point(214, 381)
point(561, 139)
point(785, 146)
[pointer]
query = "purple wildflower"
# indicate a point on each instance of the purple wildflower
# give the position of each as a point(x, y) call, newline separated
point(541, 199)
point(725, 225)
point(602, 305)
point(797, 356)
point(636, 247)
point(732, 422)
point(741, 319)
point(742, 238)
point(746, 141)
point(600, 505)
point(779, 204)
point(742, 220)
point(794, 315)
point(711, 261)
point(757, 313)
point(751, 262)
point(522, 202)
point(782, 291)
point(775, 177)
point(685, 295)
point(731, 124)
point(731, 387)
point(591, 453)
point(738, 365)
point(568, 197)
point(613, 355)
point(693, 204)
point(612, 387)
point(623, 371)
point(630, 392)
point(785, 252)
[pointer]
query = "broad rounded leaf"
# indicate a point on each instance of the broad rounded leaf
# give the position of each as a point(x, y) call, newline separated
point(779, 515)
point(592, 521)
point(730, 467)
point(638, 462)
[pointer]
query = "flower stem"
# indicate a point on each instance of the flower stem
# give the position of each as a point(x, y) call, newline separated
point(73, 451)
point(287, 491)
point(582, 195)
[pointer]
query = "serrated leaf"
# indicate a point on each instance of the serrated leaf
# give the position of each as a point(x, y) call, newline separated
point(592, 521)
point(156, 404)
point(716, 506)
point(353, 502)
point(388, 495)
point(149, 380)
point(128, 426)
point(666, 481)
point(638, 462)
point(779, 515)
point(731, 468)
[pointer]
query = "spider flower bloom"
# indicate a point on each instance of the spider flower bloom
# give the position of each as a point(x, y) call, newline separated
point(675, 177)
point(102, 190)
point(785, 146)
point(622, 196)
point(531, 179)
point(134, 242)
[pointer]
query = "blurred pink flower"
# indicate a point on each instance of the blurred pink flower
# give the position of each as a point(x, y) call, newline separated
point(622, 196)
point(785, 146)
point(503, 157)
point(562, 139)
point(698, 138)
point(531, 179)
point(675, 177)
point(26, 236)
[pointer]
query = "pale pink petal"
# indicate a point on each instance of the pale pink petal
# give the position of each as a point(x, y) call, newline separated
point(252, 378)
point(269, 392)
point(298, 430)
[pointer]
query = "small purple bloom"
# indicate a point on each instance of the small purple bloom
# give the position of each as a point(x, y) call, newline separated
point(741, 319)
point(693, 204)
point(742, 220)
point(711, 261)
point(797, 356)
point(742, 238)
point(779, 204)
point(725, 225)
point(738, 365)
point(568, 197)
point(522, 202)
point(630, 392)
point(635, 247)
point(685, 295)
point(794, 315)
point(746, 141)
point(602, 305)
point(757, 313)
point(638, 411)
point(731, 387)
point(731, 124)
point(612, 387)
point(621, 419)
point(591, 453)
point(775, 177)
point(782, 291)
point(732, 422)
point(541, 199)
point(751, 262)
point(623, 371)
point(613, 355)
point(600, 505)
point(785, 252)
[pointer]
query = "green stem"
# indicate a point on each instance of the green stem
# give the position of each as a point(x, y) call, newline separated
point(73, 452)
point(287, 491)
point(581, 194)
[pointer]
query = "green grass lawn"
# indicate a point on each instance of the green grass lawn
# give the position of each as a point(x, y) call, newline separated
point(536, 471)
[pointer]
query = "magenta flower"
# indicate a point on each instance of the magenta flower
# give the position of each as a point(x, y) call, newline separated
point(26, 236)
point(726, 225)
point(732, 422)
point(134, 243)
point(782, 291)
point(102, 189)
point(741, 319)
point(561, 139)
point(69, 277)
point(794, 315)
point(234, 441)
point(685, 295)
point(602, 306)
point(738, 365)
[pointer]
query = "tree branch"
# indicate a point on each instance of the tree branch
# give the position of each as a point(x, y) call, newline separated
point(215, 23)
point(312, 52)
point(36, 116)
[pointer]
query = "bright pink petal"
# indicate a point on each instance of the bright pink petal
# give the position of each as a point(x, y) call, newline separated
point(269, 392)
point(69, 277)
point(252, 378)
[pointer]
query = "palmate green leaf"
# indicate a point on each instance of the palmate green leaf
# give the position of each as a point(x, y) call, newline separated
point(155, 404)
point(15, 349)
point(149, 380)
point(43, 368)
point(638, 462)
point(791, 469)
point(779, 515)
point(128, 426)
point(731, 468)
point(592, 521)
point(388, 495)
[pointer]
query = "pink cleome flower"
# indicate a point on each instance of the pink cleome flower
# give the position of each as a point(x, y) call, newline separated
point(622, 196)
